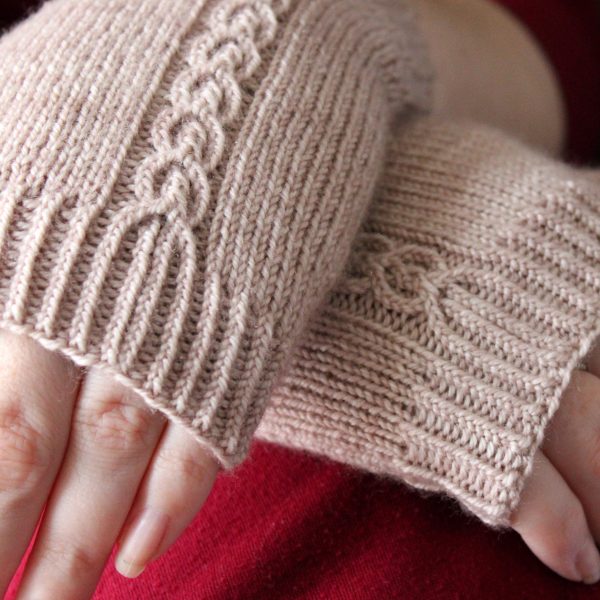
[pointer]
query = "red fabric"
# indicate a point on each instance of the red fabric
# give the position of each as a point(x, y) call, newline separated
point(286, 525)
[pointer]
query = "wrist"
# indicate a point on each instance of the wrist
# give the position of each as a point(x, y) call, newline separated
point(489, 68)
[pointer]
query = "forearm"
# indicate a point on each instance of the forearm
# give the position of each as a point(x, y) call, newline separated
point(490, 68)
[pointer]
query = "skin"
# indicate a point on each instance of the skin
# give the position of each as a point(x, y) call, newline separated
point(94, 455)
point(490, 69)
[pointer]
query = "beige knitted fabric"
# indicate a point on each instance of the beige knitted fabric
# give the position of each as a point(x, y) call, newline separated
point(181, 181)
point(472, 292)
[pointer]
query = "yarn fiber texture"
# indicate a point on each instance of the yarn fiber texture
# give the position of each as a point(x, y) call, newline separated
point(181, 182)
point(471, 294)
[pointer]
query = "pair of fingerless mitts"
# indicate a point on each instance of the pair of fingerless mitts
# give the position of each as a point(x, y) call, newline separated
point(244, 211)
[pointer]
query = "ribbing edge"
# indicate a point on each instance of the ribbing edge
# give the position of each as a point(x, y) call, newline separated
point(471, 295)
point(165, 211)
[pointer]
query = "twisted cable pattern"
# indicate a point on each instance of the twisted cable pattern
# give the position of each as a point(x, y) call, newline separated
point(471, 293)
point(172, 173)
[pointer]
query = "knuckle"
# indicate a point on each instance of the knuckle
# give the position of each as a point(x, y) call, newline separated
point(70, 560)
point(568, 533)
point(114, 425)
point(189, 463)
point(24, 455)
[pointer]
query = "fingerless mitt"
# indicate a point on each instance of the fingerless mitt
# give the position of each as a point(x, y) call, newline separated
point(181, 181)
point(471, 294)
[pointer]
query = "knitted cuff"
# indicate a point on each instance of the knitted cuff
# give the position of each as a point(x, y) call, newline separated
point(172, 175)
point(472, 293)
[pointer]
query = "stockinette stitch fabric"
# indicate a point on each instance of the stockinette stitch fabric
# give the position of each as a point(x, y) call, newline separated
point(471, 294)
point(181, 181)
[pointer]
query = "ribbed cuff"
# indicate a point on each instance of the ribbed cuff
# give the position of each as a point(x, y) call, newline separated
point(472, 293)
point(183, 180)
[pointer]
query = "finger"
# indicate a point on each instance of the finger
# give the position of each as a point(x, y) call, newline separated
point(572, 443)
point(112, 439)
point(177, 483)
point(551, 521)
point(592, 359)
point(36, 399)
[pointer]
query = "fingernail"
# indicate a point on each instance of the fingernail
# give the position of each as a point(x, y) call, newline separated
point(588, 564)
point(141, 542)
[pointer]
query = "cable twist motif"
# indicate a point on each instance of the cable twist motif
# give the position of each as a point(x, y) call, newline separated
point(188, 136)
point(403, 277)
point(188, 140)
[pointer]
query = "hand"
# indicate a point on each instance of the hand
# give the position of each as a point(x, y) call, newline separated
point(99, 456)
point(558, 516)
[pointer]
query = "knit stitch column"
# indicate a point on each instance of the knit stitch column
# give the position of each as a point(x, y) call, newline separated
point(181, 180)
point(471, 294)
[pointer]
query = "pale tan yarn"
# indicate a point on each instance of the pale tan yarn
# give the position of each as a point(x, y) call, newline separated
point(181, 181)
point(471, 294)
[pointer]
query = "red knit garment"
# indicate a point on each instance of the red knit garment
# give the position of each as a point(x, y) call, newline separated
point(287, 525)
